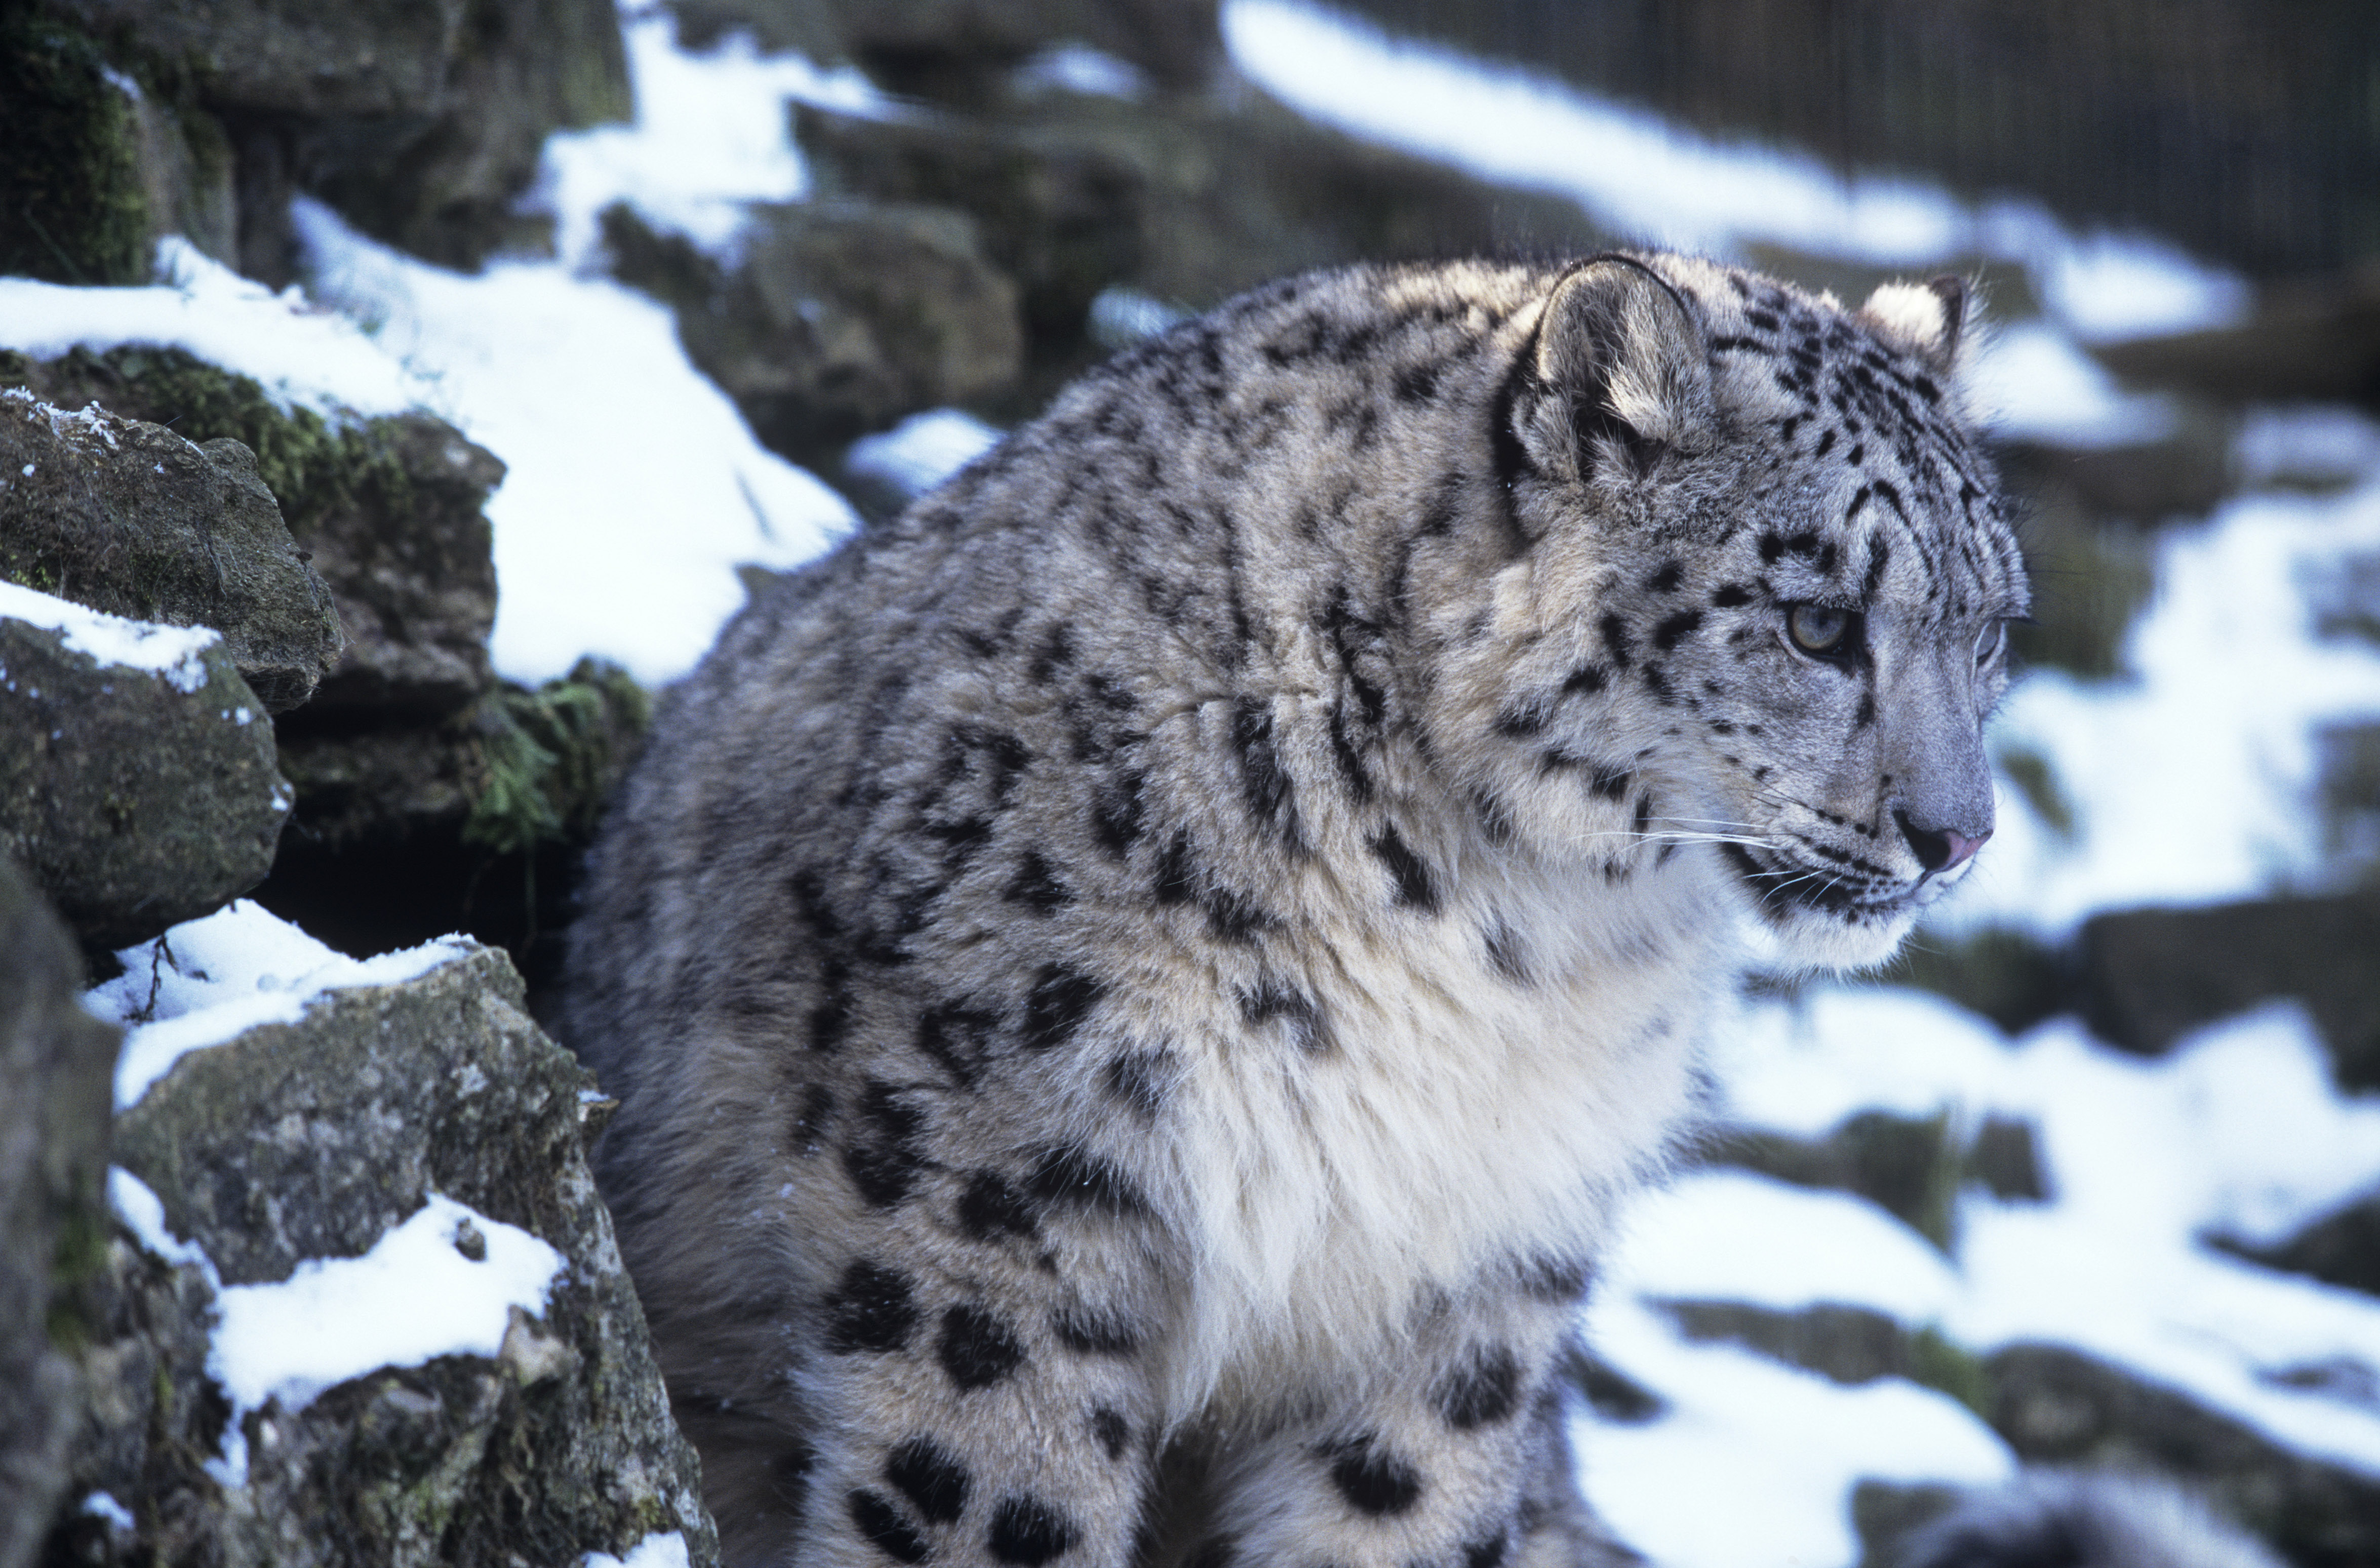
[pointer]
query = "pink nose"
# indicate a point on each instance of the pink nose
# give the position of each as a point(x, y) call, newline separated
point(1962, 849)
point(1939, 849)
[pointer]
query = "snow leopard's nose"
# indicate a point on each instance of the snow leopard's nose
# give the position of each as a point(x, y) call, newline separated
point(1942, 849)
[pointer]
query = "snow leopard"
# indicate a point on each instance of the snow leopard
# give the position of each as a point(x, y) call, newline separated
point(1136, 986)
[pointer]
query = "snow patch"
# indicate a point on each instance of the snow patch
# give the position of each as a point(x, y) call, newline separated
point(712, 133)
point(922, 450)
point(208, 980)
point(413, 1297)
point(662, 1550)
point(2190, 780)
point(635, 487)
point(301, 354)
point(176, 654)
point(1782, 1446)
point(2032, 384)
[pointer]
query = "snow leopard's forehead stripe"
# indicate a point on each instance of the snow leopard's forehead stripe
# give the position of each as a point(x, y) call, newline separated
point(1880, 428)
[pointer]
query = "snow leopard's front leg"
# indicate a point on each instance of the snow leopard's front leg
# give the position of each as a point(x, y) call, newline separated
point(977, 1378)
point(1432, 1458)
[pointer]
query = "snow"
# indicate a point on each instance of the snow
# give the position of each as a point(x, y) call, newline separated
point(1752, 1464)
point(177, 655)
point(922, 450)
point(2029, 382)
point(710, 136)
point(207, 980)
point(665, 1550)
point(301, 354)
point(413, 1297)
point(1732, 1235)
point(635, 487)
point(2231, 681)
point(100, 1505)
point(1641, 177)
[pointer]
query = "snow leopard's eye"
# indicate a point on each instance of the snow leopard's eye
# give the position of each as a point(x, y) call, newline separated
point(1989, 641)
point(1820, 629)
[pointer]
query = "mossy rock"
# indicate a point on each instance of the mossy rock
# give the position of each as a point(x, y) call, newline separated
point(73, 208)
point(391, 510)
point(131, 519)
point(313, 467)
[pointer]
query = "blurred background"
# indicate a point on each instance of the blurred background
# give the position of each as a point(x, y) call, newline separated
point(550, 322)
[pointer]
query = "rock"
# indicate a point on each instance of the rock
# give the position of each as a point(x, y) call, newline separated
point(2009, 976)
point(2351, 798)
point(2151, 975)
point(474, 823)
point(1844, 1343)
point(2056, 1405)
point(58, 1063)
point(839, 318)
point(2093, 571)
point(966, 51)
point(1910, 1166)
point(391, 509)
point(1884, 1513)
point(73, 206)
point(422, 122)
point(319, 1139)
point(137, 784)
point(130, 519)
point(1184, 201)
point(2307, 342)
point(1612, 1394)
point(2341, 1248)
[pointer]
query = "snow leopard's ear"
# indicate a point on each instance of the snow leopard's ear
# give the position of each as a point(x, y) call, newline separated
point(1927, 319)
point(1621, 375)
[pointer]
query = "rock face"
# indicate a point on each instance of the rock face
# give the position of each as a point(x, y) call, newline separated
point(2150, 976)
point(130, 519)
point(138, 794)
point(839, 318)
point(422, 122)
point(390, 510)
point(963, 50)
point(416, 772)
point(1186, 201)
point(419, 122)
point(316, 1140)
point(57, 1062)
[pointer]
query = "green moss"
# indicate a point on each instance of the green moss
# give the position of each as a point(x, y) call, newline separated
point(1940, 1362)
point(72, 206)
point(313, 467)
point(550, 757)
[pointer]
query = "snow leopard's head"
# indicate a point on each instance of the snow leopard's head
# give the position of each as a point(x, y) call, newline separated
point(1762, 610)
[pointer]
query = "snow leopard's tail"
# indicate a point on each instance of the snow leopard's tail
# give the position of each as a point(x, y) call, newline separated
point(2066, 1519)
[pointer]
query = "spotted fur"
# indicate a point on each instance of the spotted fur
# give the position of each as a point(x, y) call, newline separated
point(1136, 985)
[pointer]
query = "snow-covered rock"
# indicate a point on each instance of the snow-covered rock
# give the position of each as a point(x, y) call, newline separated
point(362, 1280)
